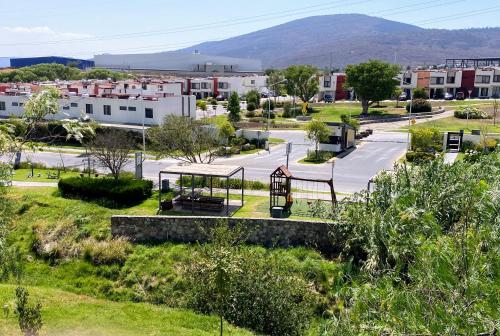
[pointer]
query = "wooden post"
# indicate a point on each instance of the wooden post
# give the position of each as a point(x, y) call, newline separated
point(227, 195)
point(159, 192)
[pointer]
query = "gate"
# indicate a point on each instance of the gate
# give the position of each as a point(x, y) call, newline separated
point(454, 141)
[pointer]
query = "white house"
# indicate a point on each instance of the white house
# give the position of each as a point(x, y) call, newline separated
point(150, 111)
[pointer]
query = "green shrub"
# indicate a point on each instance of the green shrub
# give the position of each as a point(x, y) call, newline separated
point(234, 183)
point(420, 93)
point(248, 289)
point(106, 252)
point(419, 157)
point(353, 122)
point(238, 141)
point(253, 97)
point(468, 145)
point(419, 105)
point(287, 110)
point(121, 192)
point(266, 104)
point(471, 112)
point(426, 140)
point(251, 107)
point(213, 102)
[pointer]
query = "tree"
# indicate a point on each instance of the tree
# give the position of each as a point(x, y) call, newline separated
point(30, 318)
point(397, 92)
point(185, 139)
point(302, 81)
point(226, 131)
point(234, 107)
point(253, 96)
point(317, 132)
point(372, 81)
point(112, 149)
point(275, 81)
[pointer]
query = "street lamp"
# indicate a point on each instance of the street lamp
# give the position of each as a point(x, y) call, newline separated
point(409, 114)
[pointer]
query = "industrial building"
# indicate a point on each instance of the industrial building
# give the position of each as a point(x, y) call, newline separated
point(180, 64)
point(24, 62)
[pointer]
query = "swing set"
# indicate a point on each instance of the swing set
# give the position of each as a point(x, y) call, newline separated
point(282, 199)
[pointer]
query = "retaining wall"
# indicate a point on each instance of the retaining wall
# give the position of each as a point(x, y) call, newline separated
point(266, 232)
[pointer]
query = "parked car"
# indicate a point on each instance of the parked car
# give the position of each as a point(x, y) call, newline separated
point(460, 96)
point(403, 96)
point(328, 99)
point(264, 95)
point(448, 96)
point(220, 98)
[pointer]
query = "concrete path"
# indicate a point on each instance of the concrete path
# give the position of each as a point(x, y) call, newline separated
point(449, 158)
point(33, 184)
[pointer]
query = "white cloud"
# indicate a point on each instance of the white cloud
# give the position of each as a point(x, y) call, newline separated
point(21, 41)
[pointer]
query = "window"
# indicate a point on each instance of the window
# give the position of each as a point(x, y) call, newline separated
point(483, 79)
point(2, 106)
point(21, 104)
point(132, 108)
point(327, 82)
point(437, 80)
point(123, 108)
point(223, 85)
point(494, 94)
point(66, 107)
point(496, 78)
point(160, 88)
point(144, 86)
point(407, 81)
point(148, 113)
point(74, 104)
point(252, 82)
point(107, 110)
point(89, 108)
point(484, 92)
point(450, 80)
point(205, 86)
point(15, 104)
point(195, 86)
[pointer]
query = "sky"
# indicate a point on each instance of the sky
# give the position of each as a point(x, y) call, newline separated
point(84, 28)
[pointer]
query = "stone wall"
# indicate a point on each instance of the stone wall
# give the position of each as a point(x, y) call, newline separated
point(266, 232)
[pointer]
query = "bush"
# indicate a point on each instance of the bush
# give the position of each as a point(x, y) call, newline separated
point(266, 104)
point(250, 114)
point(213, 102)
point(238, 141)
point(353, 122)
point(251, 107)
point(419, 157)
point(257, 119)
point(271, 115)
point(121, 192)
point(472, 112)
point(426, 140)
point(257, 292)
point(420, 93)
point(106, 252)
point(234, 183)
point(419, 105)
point(253, 97)
point(468, 145)
point(287, 110)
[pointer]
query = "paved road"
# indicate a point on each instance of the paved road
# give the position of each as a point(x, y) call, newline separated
point(351, 173)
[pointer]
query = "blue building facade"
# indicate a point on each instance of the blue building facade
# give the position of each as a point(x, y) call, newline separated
point(23, 62)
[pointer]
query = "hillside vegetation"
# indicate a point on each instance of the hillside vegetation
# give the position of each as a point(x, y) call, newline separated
point(420, 256)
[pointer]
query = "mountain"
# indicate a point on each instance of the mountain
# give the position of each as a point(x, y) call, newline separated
point(353, 38)
point(4, 62)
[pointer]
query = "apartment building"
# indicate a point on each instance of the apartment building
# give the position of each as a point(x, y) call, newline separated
point(224, 86)
point(331, 87)
point(103, 103)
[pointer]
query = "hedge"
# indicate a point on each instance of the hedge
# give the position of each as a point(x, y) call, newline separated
point(200, 182)
point(419, 105)
point(470, 112)
point(121, 192)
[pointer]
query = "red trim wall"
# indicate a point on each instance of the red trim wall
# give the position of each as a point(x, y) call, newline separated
point(340, 92)
point(216, 86)
point(468, 78)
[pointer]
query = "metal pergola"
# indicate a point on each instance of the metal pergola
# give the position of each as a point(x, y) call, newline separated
point(205, 170)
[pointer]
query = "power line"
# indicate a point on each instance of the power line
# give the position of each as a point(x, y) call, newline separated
point(217, 24)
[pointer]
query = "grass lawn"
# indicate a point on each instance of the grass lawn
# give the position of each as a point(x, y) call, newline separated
point(455, 124)
point(332, 112)
point(40, 175)
point(64, 313)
